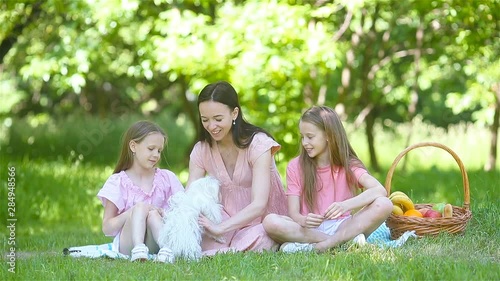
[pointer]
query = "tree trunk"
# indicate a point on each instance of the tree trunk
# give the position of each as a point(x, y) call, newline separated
point(370, 123)
point(191, 113)
point(346, 76)
point(365, 100)
point(491, 164)
point(412, 107)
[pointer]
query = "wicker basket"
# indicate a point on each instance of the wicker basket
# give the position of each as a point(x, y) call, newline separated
point(430, 226)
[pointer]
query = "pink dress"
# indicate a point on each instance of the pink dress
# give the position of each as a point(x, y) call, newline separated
point(236, 193)
point(122, 192)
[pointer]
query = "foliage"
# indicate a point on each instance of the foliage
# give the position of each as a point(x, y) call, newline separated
point(375, 61)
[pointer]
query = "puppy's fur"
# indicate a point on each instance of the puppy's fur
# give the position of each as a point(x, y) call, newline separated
point(181, 232)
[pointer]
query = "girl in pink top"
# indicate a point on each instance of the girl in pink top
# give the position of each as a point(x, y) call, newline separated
point(240, 156)
point(136, 193)
point(322, 185)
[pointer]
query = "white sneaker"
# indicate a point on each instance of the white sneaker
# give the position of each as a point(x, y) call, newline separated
point(139, 253)
point(359, 240)
point(293, 247)
point(165, 255)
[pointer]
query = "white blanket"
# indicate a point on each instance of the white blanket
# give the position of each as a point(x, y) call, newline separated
point(97, 251)
point(380, 237)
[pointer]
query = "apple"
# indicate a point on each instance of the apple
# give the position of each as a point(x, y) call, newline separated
point(439, 207)
point(423, 211)
point(432, 214)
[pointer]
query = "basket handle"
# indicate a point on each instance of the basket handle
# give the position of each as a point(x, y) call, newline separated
point(465, 179)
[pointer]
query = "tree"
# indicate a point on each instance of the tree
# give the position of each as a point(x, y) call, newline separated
point(373, 60)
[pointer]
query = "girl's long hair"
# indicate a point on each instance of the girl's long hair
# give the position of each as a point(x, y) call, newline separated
point(137, 132)
point(242, 131)
point(341, 154)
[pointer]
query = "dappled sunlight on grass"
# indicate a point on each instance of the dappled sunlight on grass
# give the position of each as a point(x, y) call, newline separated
point(51, 193)
point(377, 255)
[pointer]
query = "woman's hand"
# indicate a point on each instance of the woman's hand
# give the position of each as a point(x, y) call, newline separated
point(336, 210)
point(313, 220)
point(211, 228)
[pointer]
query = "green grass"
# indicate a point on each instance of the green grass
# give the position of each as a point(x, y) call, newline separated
point(56, 207)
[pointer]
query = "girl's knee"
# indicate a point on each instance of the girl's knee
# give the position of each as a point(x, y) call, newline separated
point(268, 220)
point(141, 208)
point(272, 223)
point(154, 214)
point(383, 204)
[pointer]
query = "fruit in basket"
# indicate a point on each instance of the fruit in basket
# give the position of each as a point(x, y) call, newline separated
point(397, 193)
point(396, 210)
point(448, 211)
point(423, 210)
point(432, 214)
point(413, 213)
point(439, 207)
point(403, 201)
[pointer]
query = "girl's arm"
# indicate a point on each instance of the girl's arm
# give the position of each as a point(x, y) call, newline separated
point(310, 221)
point(112, 223)
point(372, 190)
point(294, 210)
point(261, 186)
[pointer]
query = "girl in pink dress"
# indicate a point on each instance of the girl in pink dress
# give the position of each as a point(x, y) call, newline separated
point(136, 193)
point(322, 185)
point(240, 156)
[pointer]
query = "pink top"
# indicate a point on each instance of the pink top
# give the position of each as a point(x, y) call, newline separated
point(237, 192)
point(332, 187)
point(122, 192)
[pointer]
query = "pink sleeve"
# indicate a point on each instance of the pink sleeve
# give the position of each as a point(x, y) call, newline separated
point(111, 191)
point(176, 184)
point(260, 144)
point(170, 185)
point(293, 178)
point(196, 155)
point(358, 172)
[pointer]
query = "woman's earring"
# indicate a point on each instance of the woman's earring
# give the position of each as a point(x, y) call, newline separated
point(234, 121)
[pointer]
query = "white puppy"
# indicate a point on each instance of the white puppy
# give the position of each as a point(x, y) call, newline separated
point(181, 232)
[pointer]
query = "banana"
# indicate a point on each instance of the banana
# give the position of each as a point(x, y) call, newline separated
point(403, 201)
point(396, 210)
point(397, 193)
point(448, 211)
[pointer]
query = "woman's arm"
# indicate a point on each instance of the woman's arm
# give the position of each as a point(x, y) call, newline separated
point(261, 186)
point(195, 172)
point(372, 190)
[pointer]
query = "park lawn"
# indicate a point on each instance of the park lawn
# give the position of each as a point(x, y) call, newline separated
point(56, 207)
point(59, 209)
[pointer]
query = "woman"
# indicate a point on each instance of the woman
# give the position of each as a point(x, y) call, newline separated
point(240, 156)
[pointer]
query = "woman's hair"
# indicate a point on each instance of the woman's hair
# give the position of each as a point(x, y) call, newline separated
point(340, 151)
point(137, 132)
point(222, 92)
